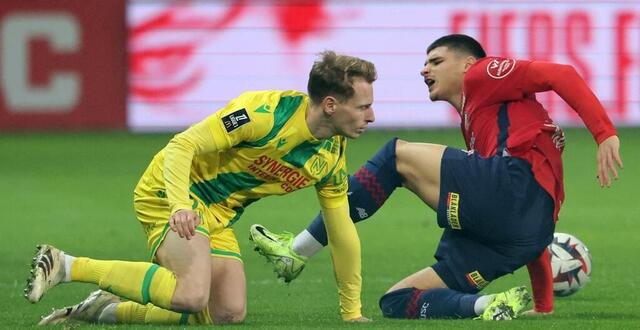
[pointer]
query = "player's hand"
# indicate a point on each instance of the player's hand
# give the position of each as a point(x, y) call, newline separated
point(184, 222)
point(533, 312)
point(360, 319)
point(608, 160)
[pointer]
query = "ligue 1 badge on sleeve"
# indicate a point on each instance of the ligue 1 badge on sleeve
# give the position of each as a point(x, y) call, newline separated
point(235, 120)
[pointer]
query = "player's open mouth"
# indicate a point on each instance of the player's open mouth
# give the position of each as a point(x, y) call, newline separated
point(429, 82)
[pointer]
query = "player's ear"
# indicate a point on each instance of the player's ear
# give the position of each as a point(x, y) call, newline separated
point(468, 62)
point(329, 105)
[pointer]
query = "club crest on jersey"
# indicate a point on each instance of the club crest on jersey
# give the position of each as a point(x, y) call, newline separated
point(235, 120)
point(318, 166)
point(500, 68)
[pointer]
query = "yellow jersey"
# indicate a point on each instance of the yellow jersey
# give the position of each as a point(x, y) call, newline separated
point(256, 146)
point(259, 145)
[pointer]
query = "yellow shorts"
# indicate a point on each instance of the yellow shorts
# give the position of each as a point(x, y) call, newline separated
point(153, 212)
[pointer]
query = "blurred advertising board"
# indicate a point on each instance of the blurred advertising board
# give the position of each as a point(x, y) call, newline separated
point(188, 58)
point(62, 64)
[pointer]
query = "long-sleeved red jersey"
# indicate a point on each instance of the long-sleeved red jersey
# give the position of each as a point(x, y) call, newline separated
point(500, 115)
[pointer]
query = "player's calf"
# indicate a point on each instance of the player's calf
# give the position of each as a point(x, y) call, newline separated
point(439, 303)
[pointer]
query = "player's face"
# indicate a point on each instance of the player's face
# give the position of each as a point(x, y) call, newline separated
point(443, 72)
point(350, 118)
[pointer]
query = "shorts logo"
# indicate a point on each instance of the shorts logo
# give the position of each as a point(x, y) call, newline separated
point(235, 120)
point(500, 68)
point(453, 201)
point(477, 280)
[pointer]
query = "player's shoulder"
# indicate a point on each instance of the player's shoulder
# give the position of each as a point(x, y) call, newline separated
point(268, 105)
point(496, 68)
point(267, 101)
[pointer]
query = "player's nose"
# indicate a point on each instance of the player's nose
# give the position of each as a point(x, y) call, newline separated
point(370, 116)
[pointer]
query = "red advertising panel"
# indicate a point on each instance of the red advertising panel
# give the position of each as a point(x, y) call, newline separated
point(62, 64)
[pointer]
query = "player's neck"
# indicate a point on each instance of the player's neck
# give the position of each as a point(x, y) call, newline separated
point(457, 102)
point(319, 123)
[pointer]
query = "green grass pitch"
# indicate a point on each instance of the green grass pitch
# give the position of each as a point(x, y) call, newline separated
point(74, 190)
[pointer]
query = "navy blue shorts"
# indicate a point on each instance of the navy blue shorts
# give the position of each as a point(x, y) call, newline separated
point(496, 217)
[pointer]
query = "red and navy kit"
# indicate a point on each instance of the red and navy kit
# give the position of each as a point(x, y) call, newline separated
point(501, 117)
point(500, 114)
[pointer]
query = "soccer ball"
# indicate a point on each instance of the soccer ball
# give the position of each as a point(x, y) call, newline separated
point(570, 264)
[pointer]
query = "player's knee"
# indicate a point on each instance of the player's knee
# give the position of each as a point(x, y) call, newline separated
point(192, 301)
point(399, 146)
point(394, 303)
point(230, 314)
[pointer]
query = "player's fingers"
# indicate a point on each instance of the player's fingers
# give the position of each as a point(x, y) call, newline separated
point(612, 166)
point(533, 312)
point(601, 171)
point(360, 319)
point(618, 159)
point(172, 224)
point(608, 161)
point(182, 227)
point(191, 227)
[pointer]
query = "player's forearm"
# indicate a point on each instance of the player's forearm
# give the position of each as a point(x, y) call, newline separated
point(542, 282)
point(565, 81)
point(178, 155)
point(345, 252)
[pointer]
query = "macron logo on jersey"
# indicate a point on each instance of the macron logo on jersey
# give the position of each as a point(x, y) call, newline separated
point(500, 68)
point(263, 108)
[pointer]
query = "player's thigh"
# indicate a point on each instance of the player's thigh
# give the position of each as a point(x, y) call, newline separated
point(189, 260)
point(423, 279)
point(468, 265)
point(228, 297)
point(419, 165)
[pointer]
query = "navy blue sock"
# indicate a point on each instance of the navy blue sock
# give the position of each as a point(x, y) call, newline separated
point(411, 303)
point(369, 188)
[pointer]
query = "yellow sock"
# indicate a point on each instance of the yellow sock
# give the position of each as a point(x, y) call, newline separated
point(141, 282)
point(133, 313)
point(130, 312)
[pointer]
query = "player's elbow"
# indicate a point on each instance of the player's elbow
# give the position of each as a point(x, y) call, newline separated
point(566, 70)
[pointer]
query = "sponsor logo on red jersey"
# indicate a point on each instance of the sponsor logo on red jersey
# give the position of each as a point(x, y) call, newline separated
point(500, 68)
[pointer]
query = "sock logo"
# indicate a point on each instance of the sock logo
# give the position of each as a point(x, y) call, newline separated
point(362, 213)
point(423, 310)
point(453, 201)
point(477, 280)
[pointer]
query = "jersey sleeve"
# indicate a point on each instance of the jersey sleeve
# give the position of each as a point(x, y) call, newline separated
point(220, 131)
point(344, 243)
point(495, 80)
point(565, 81)
point(541, 278)
point(333, 188)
